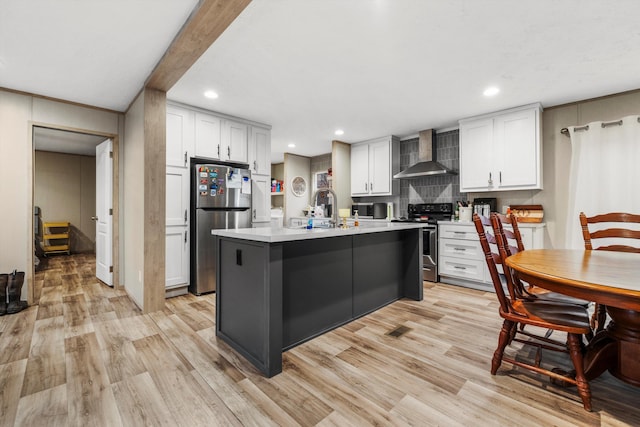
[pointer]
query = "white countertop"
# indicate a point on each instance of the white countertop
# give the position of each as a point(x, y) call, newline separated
point(520, 224)
point(275, 235)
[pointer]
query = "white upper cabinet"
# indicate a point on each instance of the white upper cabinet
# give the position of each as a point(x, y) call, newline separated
point(234, 141)
point(260, 150)
point(208, 136)
point(380, 167)
point(373, 164)
point(221, 138)
point(180, 136)
point(360, 170)
point(502, 151)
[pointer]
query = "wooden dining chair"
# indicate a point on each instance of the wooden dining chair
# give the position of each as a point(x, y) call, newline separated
point(513, 245)
point(615, 225)
point(569, 318)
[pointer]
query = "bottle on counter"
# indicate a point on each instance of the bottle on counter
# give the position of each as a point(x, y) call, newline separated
point(356, 221)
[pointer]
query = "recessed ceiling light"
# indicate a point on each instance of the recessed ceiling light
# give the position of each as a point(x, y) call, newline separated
point(291, 145)
point(491, 91)
point(211, 94)
point(339, 132)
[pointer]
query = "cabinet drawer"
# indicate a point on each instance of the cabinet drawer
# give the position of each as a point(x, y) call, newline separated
point(463, 268)
point(465, 232)
point(466, 249)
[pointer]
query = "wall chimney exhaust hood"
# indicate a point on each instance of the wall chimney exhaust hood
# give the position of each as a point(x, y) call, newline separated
point(426, 165)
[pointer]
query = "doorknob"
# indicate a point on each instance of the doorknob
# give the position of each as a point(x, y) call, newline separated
point(94, 218)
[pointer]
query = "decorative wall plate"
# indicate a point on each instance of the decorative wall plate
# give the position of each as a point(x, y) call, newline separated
point(298, 186)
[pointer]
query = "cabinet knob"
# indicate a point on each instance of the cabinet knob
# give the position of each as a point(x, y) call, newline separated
point(254, 214)
point(94, 218)
point(490, 180)
point(185, 237)
point(255, 165)
point(229, 151)
point(366, 186)
point(185, 216)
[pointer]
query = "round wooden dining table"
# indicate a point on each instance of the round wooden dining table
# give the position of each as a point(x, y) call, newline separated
point(605, 277)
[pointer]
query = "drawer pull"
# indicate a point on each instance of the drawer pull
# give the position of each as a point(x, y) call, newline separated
point(460, 249)
point(459, 267)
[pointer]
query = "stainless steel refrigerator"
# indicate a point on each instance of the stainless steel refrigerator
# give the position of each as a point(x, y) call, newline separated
point(220, 199)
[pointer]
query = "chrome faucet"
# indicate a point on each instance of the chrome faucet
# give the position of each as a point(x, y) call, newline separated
point(334, 214)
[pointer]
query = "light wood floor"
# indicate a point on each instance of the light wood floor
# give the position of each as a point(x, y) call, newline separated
point(87, 356)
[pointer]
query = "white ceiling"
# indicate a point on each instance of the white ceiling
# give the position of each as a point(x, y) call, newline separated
point(308, 67)
point(97, 52)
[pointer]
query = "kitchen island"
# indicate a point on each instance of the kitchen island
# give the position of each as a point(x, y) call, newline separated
point(279, 287)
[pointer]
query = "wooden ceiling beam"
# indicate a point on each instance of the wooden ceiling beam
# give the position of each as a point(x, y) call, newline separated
point(207, 21)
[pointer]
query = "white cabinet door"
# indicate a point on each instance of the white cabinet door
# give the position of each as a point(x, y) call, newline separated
point(502, 151)
point(517, 152)
point(476, 145)
point(360, 170)
point(208, 135)
point(260, 150)
point(176, 256)
point(234, 141)
point(260, 198)
point(380, 168)
point(373, 164)
point(177, 196)
point(180, 136)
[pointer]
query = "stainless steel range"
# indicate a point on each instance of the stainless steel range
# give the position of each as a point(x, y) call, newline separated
point(429, 213)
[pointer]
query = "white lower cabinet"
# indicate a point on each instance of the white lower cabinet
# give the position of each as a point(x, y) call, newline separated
point(177, 258)
point(460, 258)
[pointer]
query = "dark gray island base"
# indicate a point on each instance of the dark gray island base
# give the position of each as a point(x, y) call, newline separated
point(276, 290)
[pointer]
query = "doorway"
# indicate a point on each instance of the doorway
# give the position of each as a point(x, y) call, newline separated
point(67, 183)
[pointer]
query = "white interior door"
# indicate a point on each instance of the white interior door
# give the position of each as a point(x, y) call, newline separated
point(103, 218)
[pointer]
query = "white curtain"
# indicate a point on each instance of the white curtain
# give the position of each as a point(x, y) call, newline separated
point(605, 172)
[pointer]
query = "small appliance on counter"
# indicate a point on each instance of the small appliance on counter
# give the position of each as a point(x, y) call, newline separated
point(379, 210)
point(485, 206)
point(364, 210)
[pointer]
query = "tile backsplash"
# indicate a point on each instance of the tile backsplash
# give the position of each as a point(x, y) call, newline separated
point(434, 189)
